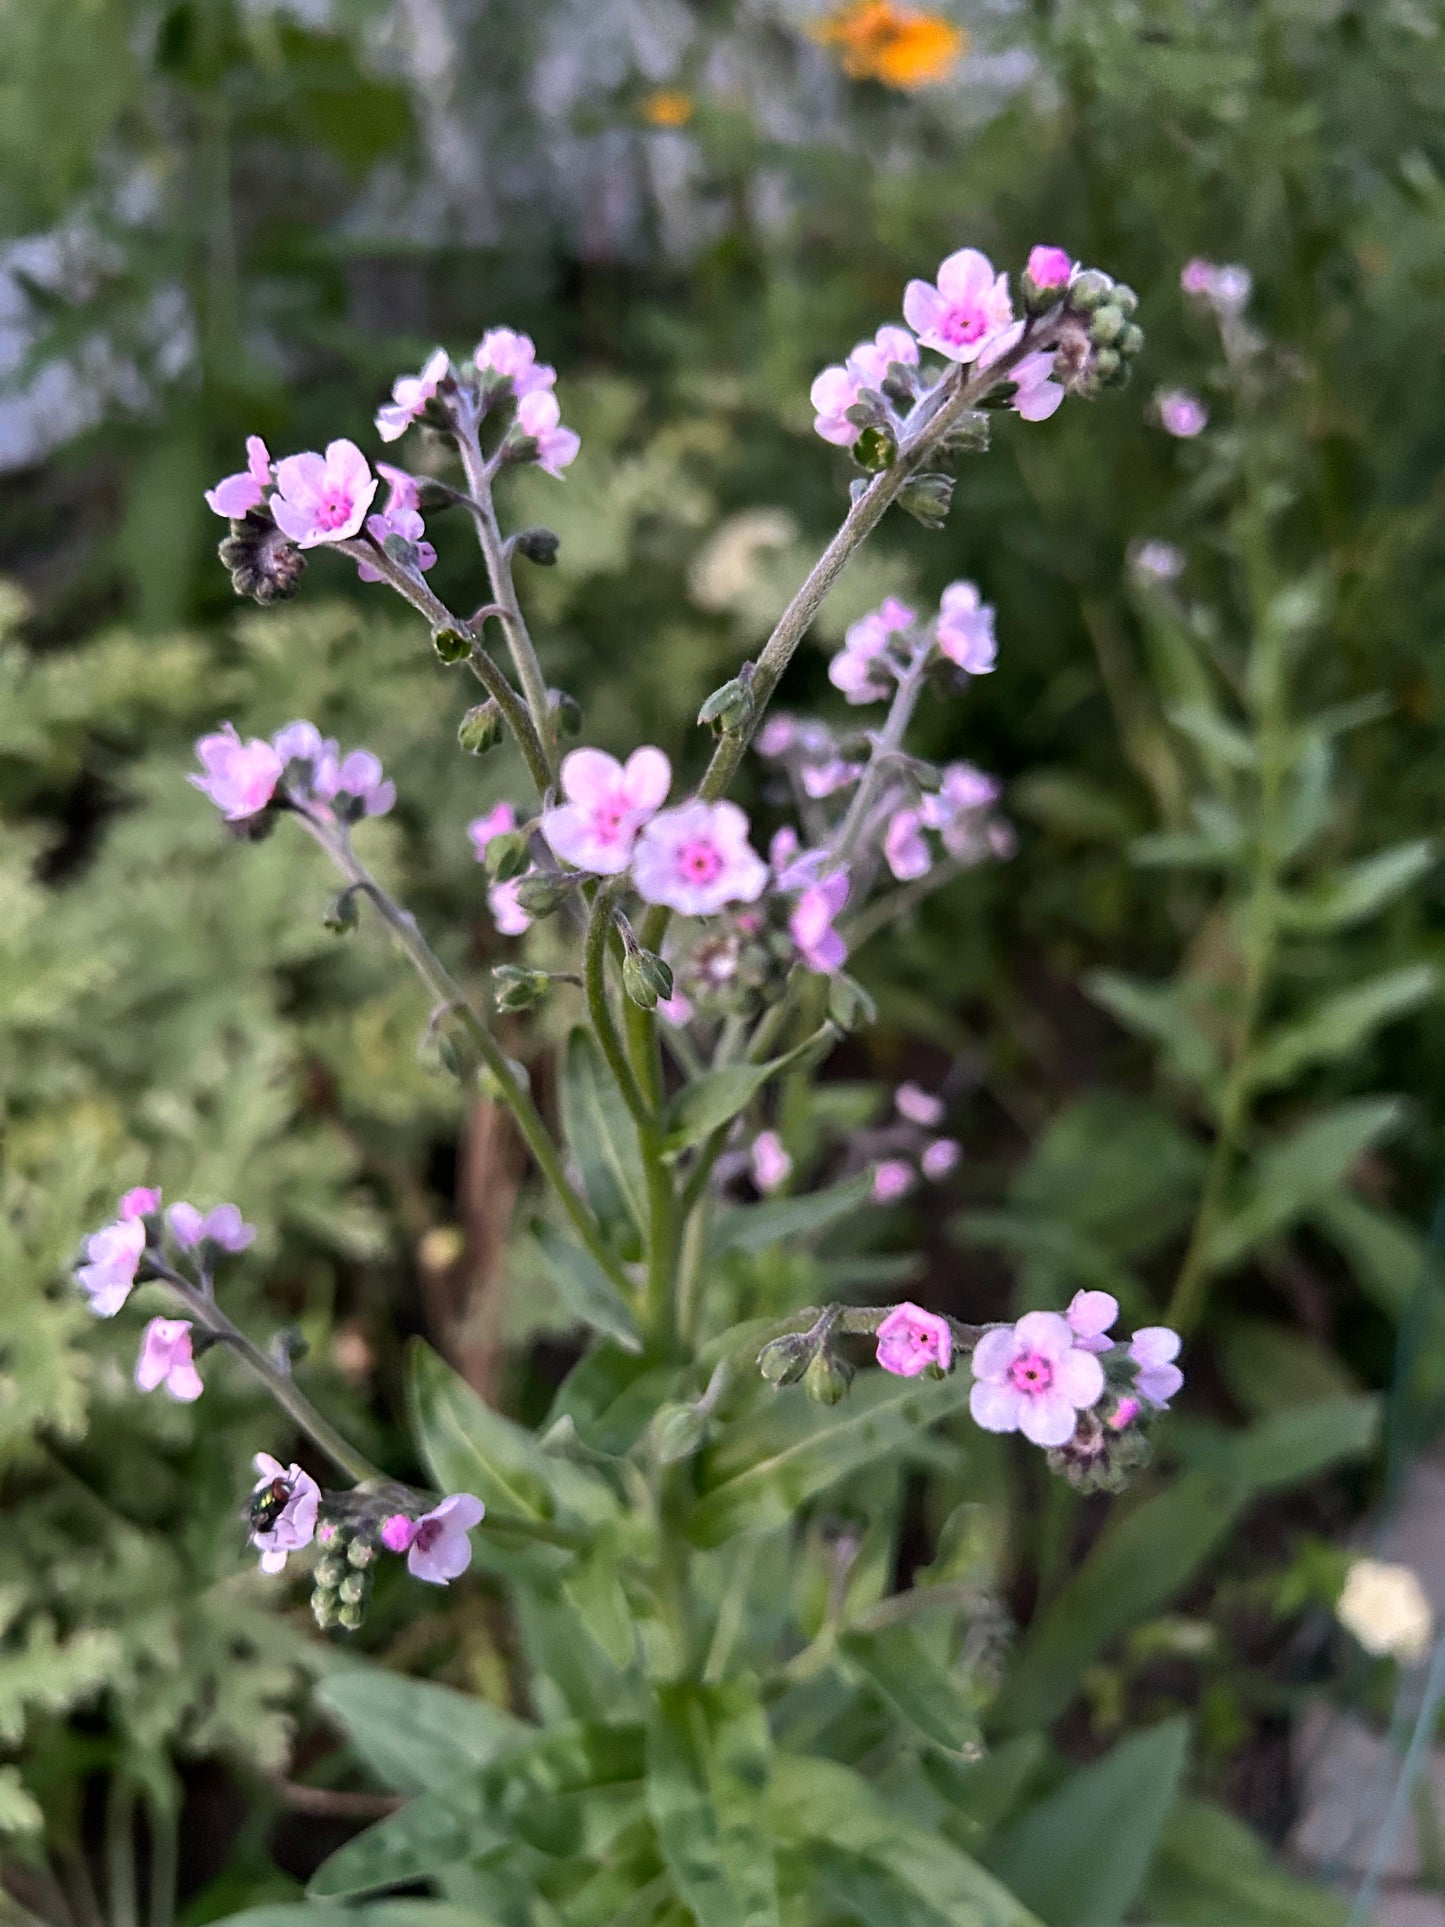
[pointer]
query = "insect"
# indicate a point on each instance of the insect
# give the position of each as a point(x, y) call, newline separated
point(268, 1502)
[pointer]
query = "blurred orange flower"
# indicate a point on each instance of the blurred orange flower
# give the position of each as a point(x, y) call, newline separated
point(876, 40)
point(666, 108)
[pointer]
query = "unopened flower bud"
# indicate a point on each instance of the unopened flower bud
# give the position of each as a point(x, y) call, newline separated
point(849, 1004)
point(361, 1553)
point(264, 565)
point(331, 1569)
point(970, 434)
point(928, 497)
point(507, 855)
point(538, 545)
point(325, 1607)
point(783, 1361)
point(1106, 324)
point(728, 710)
point(541, 894)
point(646, 978)
point(350, 1616)
point(566, 713)
point(402, 552)
point(450, 644)
point(876, 449)
point(1125, 299)
point(354, 1588)
point(677, 1432)
point(343, 914)
point(1131, 341)
point(828, 1377)
point(1090, 290)
point(518, 989)
point(481, 728)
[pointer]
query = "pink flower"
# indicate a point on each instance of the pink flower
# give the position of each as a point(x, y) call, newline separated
point(397, 1532)
point(409, 397)
point(832, 394)
point(222, 1227)
point(1032, 1378)
point(1154, 1350)
point(919, 1106)
point(303, 743)
point(500, 821)
point(857, 678)
point(811, 924)
point(113, 1256)
point(776, 737)
point(1157, 561)
point(893, 1178)
point(295, 1525)
point(165, 1359)
point(539, 418)
point(864, 665)
point(237, 495)
point(870, 360)
point(140, 1201)
point(770, 1163)
point(240, 778)
point(940, 1157)
point(1090, 1315)
point(697, 858)
point(964, 630)
point(959, 811)
point(607, 805)
point(911, 1339)
point(1037, 394)
point(904, 847)
point(1049, 268)
point(1181, 414)
point(507, 913)
point(323, 498)
point(355, 784)
point(968, 304)
point(1197, 277)
point(676, 1009)
point(502, 351)
point(401, 516)
point(827, 778)
point(1226, 289)
point(437, 1548)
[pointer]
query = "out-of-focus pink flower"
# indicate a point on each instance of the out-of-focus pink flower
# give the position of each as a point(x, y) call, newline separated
point(355, 784)
point(295, 1525)
point(832, 394)
point(1049, 268)
point(1157, 561)
point(165, 1359)
point(409, 397)
point(957, 315)
point(918, 1106)
point(323, 498)
point(1037, 395)
point(503, 351)
point(676, 1009)
point(1226, 288)
point(697, 858)
point(959, 810)
point(1090, 1315)
point(507, 913)
point(863, 667)
point(911, 1339)
point(1197, 276)
point(904, 846)
point(113, 1256)
point(776, 737)
point(438, 1549)
point(140, 1201)
point(827, 778)
point(302, 744)
point(860, 680)
point(1181, 414)
point(223, 1227)
point(940, 1157)
point(769, 1162)
point(401, 516)
point(236, 495)
point(964, 630)
point(240, 778)
point(1032, 1378)
point(893, 1178)
point(870, 360)
point(500, 821)
point(607, 804)
point(539, 417)
point(811, 924)
point(1154, 1350)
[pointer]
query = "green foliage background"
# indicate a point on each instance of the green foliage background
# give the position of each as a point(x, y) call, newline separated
point(270, 195)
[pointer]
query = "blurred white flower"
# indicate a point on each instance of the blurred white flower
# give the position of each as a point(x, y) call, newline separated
point(1385, 1607)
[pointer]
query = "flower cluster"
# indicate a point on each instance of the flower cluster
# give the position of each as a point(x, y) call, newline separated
point(298, 769)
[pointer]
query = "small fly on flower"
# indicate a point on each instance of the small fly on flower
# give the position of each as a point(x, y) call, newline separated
point(267, 1504)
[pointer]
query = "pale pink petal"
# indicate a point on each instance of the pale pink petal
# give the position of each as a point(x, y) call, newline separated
point(1079, 1377)
point(995, 1352)
point(1045, 1332)
point(997, 1408)
point(1048, 1419)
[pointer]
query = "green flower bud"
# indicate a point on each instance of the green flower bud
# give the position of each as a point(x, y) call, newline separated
point(330, 1570)
point(354, 1588)
point(1090, 290)
point(350, 1617)
point(481, 728)
point(849, 1004)
point(928, 497)
point(728, 710)
point(325, 1607)
point(677, 1432)
point(508, 855)
point(519, 989)
point(1130, 341)
point(645, 978)
point(450, 644)
point(343, 914)
point(361, 1553)
point(827, 1379)
point(1107, 324)
point(1125, 298)
point(875, 449)
point(538, 545)
point(1107, 362)
point(566, 713)
point(540, 895)
point(783, 1361)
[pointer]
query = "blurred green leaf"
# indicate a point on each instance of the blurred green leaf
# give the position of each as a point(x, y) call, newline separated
point(910, 1680)
point(1211, 1871)
point(603, 1138)
point(1360, 890)
point(584, 1287)
point(414, 1735)
point(1341, 1024)
point(471, 1448)
point(754, 1227)
point(708, 1759)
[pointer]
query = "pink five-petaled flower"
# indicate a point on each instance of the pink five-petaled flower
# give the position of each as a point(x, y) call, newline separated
point(964, 630)
point(236, 495)
point(113, 1256)
point(540, 418)
point(323, 498)
point(811, 924)
point(607, 805)
point(863, 666)
point(769, 1162)
point(436, 1545)
point(697, 858)
point(1181, 414)
point(500, 821)
point(295, 1525)
point(359, 778)
point(223, 1227)
point(969, 303)
point(1049, 269)
point(409, 397)
point(140, 1201)
point(503, 351)
point(240, 778)
point(165, 1359)
point(401, 516)
point(870, 360)
point(833, 393)
point(918, 1106)
point(1032, 1378)
point(507, 913)
point(1090, 1315)
point(911, 1339)
point(893, 1178)
point(1154, 1350)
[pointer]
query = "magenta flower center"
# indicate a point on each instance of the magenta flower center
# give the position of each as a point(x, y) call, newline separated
point(333, 508)
point(1031, 1373)
point(699, 861)
point(962, 326)
point(607, 820)
point(427, 1534)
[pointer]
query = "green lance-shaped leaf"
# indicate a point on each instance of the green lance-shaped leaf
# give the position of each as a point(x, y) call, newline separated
point(469, 1447)
point(585, 1289)
point(603, 1139)
point(708, 1757)
point(1341, 1024)
point(1211, 1871)
point(756, 1227)
point(1081, 1856)
point(716, 1097)
point(593, 1586)
point(414, 1735)
point(907, 1677)
point(1359, 891)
